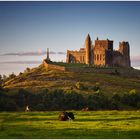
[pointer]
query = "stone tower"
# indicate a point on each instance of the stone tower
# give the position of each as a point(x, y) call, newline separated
point(88, 50)
point(124, 49)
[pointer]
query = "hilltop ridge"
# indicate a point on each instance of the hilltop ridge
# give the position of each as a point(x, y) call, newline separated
point(41, 77)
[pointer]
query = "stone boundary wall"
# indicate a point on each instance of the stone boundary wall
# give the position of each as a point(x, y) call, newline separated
point(77, 69)
point(88, 70)
point(51, 66)
point(125, 72)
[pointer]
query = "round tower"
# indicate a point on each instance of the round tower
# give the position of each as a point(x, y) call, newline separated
point(88, 50)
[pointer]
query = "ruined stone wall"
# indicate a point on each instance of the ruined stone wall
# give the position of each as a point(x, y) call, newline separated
point(106, 44)
point(117, 59)
point(76, 56)
point(99, 56)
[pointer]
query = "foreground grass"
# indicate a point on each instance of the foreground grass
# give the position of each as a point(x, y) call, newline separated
point(95, 124)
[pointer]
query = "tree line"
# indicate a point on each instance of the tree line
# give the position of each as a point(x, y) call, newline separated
point(66, 100)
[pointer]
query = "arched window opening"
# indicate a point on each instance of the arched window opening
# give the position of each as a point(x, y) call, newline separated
point(97, 57)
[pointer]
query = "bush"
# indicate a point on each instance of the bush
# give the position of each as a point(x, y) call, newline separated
point(40, 107)
point(7, 104)
point(67, 100)
point(80, 86)
point(133, 91)
point(97, 101)
point(95, 88)
point(74, 101)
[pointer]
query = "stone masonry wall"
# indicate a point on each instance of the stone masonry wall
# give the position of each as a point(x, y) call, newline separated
point(51, 66)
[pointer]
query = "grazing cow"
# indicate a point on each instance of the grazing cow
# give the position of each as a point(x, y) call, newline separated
point(64, 116)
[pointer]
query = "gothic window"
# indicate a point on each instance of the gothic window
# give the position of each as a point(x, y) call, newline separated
point(83, 59)
point(100, 56)
point(80, 58)
point(103, 57)
point(97, 57)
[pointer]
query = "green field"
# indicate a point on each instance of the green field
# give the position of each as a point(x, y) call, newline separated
point(95, 124)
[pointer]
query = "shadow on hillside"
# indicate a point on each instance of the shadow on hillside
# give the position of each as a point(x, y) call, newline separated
point(110, 119)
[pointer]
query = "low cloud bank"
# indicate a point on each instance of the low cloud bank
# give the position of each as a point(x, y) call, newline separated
point(33, 53)
point(21, 62)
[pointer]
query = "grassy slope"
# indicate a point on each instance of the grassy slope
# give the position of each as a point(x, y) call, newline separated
point(99, 124)
point(40, 78)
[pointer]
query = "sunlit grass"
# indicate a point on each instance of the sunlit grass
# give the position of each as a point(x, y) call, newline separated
point(92, 124)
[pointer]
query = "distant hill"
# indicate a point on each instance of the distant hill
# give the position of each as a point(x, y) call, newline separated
point(40, 78)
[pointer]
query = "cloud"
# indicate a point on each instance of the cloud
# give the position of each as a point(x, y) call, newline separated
point(52, 52)
point(61, 53)
point(38, 53)
point(21, 62)
point(26, 53)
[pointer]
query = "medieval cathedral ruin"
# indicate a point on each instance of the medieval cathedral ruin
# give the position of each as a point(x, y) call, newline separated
point(101, 53)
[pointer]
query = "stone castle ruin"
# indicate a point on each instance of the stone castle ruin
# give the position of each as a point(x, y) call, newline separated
point(101, 53)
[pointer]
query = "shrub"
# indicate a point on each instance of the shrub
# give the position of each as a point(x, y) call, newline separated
point(7, 104)
point(133, 91)
point(95, 88)
point(40, 107)
point(79, 86)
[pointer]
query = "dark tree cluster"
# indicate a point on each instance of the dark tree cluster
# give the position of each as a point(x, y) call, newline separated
point(64, 100)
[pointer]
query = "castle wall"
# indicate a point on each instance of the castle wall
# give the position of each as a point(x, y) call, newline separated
point(76, 56)
point(101, 54)
point(106, 44)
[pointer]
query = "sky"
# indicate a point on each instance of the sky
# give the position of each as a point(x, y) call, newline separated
point(27, 29)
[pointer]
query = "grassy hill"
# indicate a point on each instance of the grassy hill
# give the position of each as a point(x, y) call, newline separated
point(40, 78)
point(48, 89)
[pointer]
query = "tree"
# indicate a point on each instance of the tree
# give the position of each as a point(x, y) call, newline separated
point(20, 73)
point(115, 102)
point(27, 70)
point(0, 79)
point(97, 101)
point(4, 78)
point(40, 107)
point(54, 100)
point(79, 86)
point(132, 98)
point(1, 82)
point(11, 76)
point(22, 97)
point(74, 101)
